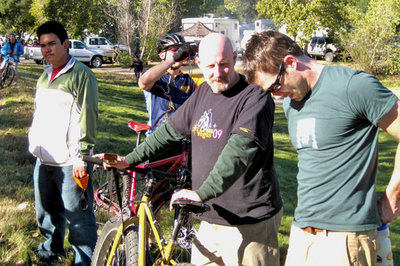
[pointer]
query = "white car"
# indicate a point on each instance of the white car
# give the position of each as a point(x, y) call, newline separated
point(92, 57)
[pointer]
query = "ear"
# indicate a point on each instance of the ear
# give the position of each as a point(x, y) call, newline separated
point(290, 62)
point(234, 57)
point(66, 43)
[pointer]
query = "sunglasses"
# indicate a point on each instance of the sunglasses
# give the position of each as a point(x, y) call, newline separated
point(276, 86)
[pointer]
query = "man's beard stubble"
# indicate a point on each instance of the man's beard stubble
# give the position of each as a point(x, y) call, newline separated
point(219, 85)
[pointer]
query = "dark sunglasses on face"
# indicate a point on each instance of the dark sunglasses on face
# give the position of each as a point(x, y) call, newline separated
point(276, 86)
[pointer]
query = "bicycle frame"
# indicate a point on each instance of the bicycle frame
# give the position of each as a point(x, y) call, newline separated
point(145, 218)
point(176, 161)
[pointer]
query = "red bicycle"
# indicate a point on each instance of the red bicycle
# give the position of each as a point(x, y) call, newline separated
point(106, 194)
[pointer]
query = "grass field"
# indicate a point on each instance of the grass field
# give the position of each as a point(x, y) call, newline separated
point(120, 100)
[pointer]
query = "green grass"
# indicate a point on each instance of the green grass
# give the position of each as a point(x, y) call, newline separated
point(119, 101)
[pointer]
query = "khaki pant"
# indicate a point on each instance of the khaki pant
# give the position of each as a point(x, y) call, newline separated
point(249, 244)
point(331, 248)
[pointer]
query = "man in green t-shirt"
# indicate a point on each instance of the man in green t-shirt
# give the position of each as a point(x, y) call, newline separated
point(230, 125)
point(334, 114)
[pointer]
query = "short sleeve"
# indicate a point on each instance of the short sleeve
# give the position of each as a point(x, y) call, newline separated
point(368, 98)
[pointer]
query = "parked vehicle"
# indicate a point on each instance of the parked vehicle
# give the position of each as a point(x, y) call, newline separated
point(105, 45)
point(92, 57)
point(322, 47)
point(33, 52)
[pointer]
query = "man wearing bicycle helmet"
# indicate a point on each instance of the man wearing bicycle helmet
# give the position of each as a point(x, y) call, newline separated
point(12, 49)
point(165, 87)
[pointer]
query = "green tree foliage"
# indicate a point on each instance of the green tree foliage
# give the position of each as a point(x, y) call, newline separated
point(372, 42)
point(37, 10)
point(15, 16)
point(75, 15)
point(305, 16)
point(197, 8)
point(244, 10)
point(155, 18)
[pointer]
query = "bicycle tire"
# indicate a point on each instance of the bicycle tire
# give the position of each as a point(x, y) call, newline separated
point(3, 78)
point(127, 250)
point(10, 76)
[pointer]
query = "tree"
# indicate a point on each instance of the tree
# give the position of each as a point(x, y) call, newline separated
point(75, 15)
point(155, 18)
point(197, 8)
point(245, 10)
point(15, 16)
point(306, 16)
point(122, 12)
point(372, 42)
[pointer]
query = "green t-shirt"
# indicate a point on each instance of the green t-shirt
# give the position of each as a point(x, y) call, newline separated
point(334, 130)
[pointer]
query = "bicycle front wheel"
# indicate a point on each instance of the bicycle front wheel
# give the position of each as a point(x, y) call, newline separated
point(7, 77)
point(127, 250)
point(3, 78)
point(10, 76)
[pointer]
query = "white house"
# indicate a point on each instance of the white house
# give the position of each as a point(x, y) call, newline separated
point(227, 26)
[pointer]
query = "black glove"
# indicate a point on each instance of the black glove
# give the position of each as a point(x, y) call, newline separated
point(186, 50)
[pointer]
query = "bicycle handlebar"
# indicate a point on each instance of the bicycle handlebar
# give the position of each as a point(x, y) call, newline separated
point(93, 160)
point(158, 173)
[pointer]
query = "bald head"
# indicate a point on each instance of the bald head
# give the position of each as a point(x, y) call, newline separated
point(217, 61)
point(215, 43)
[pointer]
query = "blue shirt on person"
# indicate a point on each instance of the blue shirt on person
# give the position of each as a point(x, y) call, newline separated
point(166, 96)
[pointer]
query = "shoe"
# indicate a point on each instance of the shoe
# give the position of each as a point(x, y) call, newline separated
point(50, 259)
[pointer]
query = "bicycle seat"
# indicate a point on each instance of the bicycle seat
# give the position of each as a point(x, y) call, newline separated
point(138, 127)
point(192, 206)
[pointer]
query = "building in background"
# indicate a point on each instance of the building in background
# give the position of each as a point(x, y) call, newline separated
point(227, 26)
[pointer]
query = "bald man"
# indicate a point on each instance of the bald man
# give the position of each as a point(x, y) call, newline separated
point(230, 124)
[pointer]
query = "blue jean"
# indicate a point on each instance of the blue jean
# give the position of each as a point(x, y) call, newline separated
point(57, 200)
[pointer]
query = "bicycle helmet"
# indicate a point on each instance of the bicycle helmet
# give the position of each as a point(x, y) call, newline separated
point(168, 40)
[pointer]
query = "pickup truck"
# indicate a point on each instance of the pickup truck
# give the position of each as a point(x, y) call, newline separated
point(101, 43)
point(322, 47)
point(92, 57)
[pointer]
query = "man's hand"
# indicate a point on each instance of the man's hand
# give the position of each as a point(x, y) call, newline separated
point(79, 171)
point(185, 51)
point(122, 163)
point(388, 208)
point(184, 194)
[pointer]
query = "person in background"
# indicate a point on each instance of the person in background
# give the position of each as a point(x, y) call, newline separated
point(334, 114)
point(137, 66)
point(230, 125)
point(165, 87)
point(11, 49)
point(63, 129)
